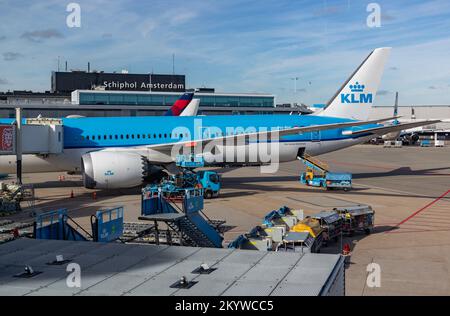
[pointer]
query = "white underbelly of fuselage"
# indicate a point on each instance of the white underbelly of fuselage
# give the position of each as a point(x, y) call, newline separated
point(70, 160)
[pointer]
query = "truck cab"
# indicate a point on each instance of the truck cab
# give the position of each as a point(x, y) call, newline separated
point(210, 182)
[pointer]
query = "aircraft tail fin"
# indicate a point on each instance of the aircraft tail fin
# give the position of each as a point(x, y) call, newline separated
point(192, 108)
point(355, 98)
point(179, 105)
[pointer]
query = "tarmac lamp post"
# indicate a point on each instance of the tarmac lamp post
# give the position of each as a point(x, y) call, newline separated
point(19, 145)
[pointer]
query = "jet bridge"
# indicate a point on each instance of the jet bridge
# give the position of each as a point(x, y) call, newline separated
point(39, 136)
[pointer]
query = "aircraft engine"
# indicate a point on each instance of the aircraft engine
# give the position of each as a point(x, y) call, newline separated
point(117, 170)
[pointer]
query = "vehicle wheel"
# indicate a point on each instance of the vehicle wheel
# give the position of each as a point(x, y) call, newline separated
point(208, 195)
point(346, 189)
point(367, 231)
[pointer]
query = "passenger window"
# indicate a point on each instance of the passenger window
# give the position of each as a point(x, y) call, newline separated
point(87, 137)
point(121, 136)
point(165, 135)
point(154, 135)
point(93, 137)
point(128, 136)
point(110, 136)
point(116, 137)
point(160, 135)
point(132, 136)
point(138, 136)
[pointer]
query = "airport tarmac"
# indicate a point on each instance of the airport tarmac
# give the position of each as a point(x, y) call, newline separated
point(406, 187)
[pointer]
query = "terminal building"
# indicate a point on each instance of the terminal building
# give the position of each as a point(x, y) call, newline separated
point(95, 93)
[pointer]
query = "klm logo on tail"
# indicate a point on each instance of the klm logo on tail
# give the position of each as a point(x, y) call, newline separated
point(357, 95)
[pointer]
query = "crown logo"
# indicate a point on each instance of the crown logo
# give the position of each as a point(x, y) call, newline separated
point(357, 87)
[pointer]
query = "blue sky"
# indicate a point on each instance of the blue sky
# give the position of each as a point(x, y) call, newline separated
point(234, 46)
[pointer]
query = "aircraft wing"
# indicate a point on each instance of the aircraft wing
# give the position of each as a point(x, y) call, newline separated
point(268, 134)
point(382, 130)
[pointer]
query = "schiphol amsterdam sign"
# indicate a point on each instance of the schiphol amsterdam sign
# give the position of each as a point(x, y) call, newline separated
point(153, 82)
point(125, 85)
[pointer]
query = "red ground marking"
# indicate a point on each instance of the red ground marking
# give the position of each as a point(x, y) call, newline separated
point(423, 208)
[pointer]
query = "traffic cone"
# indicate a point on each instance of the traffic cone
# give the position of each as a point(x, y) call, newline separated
point(346, 250)
point(71, 194)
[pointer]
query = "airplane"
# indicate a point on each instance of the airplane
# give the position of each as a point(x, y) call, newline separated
point(192, 108)
point(125, 152)
point(183, 106)
point(394, 135)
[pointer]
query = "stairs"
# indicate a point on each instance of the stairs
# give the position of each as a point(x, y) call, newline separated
point(194, 228)
point(192, 234)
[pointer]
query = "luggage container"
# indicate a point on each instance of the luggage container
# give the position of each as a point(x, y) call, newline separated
point(357, 218)
point(307, 233)
point(302, 242)
point(331, 223)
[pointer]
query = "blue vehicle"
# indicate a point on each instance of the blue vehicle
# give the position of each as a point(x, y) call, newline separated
point(210, 182)
point(318, 175)
point(338, 181)
point(329, 180)
point(175, 186)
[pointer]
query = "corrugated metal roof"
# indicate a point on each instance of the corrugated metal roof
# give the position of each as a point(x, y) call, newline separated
point(119, 269)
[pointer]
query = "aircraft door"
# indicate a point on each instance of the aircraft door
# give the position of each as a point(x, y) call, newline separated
point(315, 136)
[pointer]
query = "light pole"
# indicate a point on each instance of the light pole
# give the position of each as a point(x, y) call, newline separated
point(295, 84)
